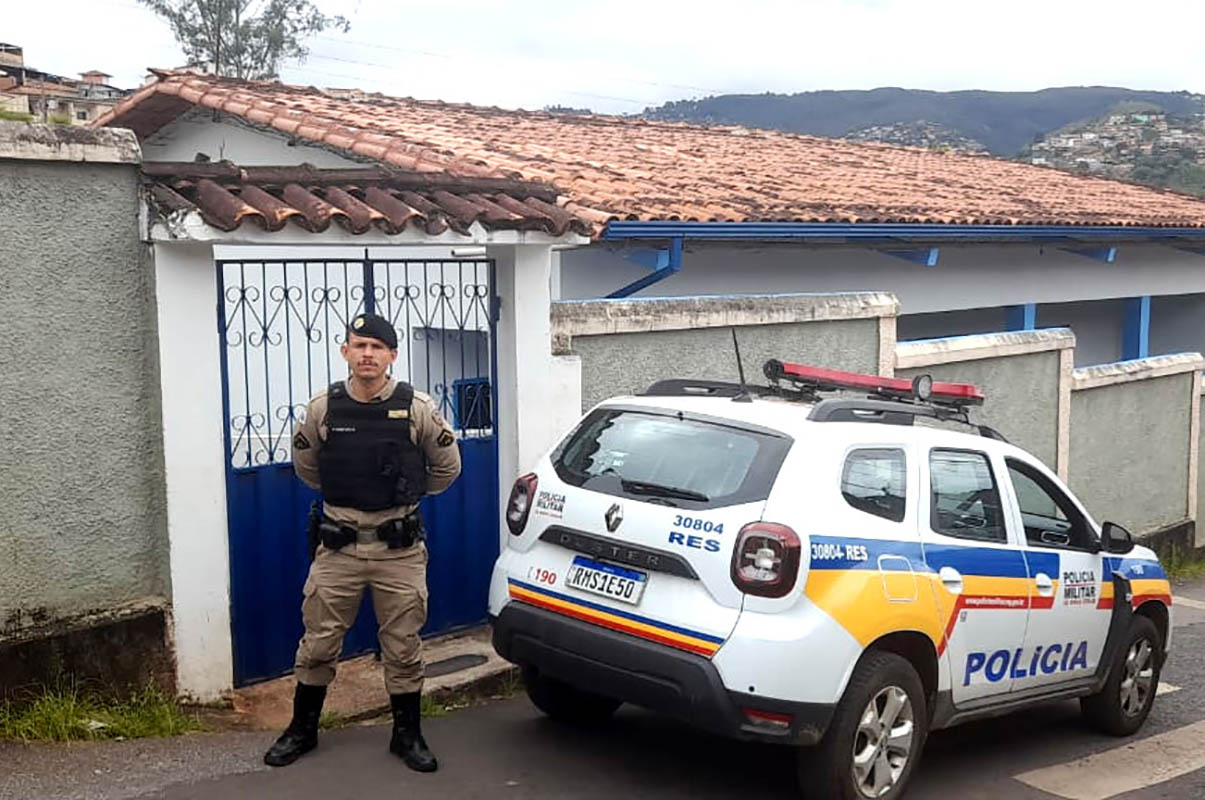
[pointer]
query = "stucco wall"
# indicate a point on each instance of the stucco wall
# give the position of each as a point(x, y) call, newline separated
point(624, 346)
point(1129, 451)
point(1021, 392)
point(81, 470)
point(1200, 532)
point(628, 362)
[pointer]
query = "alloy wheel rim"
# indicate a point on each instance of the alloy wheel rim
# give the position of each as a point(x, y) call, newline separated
point(883, 742)
point(1138, 679)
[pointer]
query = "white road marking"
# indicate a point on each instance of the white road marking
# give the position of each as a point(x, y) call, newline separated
point(1138, 764)
point(1188, 601)
point(1166, 688)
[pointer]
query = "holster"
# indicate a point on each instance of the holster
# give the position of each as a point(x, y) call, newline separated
point(312, 537)
point(402, 533)
point(335, 536)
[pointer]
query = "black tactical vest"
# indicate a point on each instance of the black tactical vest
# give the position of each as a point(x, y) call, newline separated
point(368, 460)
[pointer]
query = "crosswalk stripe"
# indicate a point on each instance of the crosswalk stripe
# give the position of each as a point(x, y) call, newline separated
point(1188, 601)
point(1166, 688)
point(1134, 765)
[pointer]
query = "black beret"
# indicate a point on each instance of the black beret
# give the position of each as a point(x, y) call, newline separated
point(374, 326)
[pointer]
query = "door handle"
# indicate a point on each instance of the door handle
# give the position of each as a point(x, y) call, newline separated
point(1044, 583)
point(951, 579)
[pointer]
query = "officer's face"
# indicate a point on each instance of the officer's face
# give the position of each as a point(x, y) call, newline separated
point(368, 358)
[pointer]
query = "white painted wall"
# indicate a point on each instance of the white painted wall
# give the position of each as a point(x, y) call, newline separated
point(194, 459)
point(941, 324)
point(532, 398)
point(966, 276)
point(230, 139)
point(1178, 324)
point(1097, 326)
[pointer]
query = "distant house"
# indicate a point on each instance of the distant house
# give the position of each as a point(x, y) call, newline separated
point(53, 98)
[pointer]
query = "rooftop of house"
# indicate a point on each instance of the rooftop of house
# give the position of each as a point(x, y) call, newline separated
point(607, 168)
point(359, 200)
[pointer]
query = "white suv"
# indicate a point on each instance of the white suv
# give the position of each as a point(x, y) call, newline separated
point(775, 566)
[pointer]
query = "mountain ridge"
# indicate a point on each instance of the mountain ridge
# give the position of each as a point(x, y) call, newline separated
point(1004, 123)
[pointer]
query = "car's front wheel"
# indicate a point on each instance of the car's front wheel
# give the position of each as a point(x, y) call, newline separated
point(566, 703)
point(1123, 704)
point(875, 738)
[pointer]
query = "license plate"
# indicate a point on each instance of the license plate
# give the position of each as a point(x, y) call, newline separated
point(608, 580)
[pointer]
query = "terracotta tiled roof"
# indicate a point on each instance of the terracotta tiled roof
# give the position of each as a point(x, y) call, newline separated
point(621, 168)
point(359, 200)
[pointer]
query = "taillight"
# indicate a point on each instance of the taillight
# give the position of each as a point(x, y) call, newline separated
point(522, 495)
point(765, 561)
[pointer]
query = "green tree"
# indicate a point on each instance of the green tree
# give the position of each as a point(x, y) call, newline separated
point(244, 38)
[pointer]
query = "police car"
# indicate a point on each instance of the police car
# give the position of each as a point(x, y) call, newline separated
point(835, 561)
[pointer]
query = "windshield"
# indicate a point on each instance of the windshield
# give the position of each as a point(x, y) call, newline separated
point(669, 459)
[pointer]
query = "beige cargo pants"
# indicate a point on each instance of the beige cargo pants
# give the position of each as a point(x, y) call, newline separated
point(331, 598)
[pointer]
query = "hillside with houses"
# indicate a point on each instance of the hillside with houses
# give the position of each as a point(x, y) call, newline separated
point(1144, 146)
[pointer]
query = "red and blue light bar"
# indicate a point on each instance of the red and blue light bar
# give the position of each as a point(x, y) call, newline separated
point(822, 378)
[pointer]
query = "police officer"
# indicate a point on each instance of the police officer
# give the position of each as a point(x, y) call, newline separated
point(374, 447)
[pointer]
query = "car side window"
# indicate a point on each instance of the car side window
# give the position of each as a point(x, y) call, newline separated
point(874, 481)
point(965, 501)
point(1049, 516)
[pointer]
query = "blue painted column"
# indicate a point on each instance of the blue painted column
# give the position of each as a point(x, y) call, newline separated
point(1136, 328)
point(1022, 318)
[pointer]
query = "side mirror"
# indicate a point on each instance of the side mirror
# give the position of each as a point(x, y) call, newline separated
point(1116, 539)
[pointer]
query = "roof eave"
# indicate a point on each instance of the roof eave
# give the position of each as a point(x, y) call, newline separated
point(867, 232)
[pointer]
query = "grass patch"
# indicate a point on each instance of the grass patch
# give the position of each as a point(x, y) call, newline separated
point(329, 721)
point(68, 713)
point(1184, 567)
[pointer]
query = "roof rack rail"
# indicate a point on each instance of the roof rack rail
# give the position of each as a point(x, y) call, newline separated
point(684, 387)
point(890, 401)
point(893, 412)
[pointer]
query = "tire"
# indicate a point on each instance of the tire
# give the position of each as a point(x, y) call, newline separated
point(566, 703)
point(828, 771)
point(1122, 705)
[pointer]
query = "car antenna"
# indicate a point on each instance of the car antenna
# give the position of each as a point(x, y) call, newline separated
point(743, 397)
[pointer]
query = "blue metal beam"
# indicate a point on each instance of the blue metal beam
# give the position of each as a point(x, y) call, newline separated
point(671, 263)
point(917, 255)
point(887, 233)
point(1136, 328)
point(1105, 254)
point(1022, 318)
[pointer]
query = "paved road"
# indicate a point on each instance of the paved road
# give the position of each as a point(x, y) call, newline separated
point(507, 751)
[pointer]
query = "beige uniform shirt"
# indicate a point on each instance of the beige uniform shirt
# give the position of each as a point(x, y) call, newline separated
point(428, 430)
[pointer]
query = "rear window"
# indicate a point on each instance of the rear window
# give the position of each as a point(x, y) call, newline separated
point(671, 459)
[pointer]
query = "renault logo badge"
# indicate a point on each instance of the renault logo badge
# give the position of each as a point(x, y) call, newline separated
point(614, 516)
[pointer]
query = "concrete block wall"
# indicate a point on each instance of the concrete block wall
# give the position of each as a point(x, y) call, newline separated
point(1135, 432)
point(625, 345)
point(83, 545)
point(1023, 374)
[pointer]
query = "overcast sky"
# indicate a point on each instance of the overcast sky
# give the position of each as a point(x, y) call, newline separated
point(619, 56)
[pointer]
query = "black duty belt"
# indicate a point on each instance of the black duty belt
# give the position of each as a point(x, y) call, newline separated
point(396, 533)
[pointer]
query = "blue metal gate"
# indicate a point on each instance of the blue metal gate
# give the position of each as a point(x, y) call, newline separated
point(281, 323)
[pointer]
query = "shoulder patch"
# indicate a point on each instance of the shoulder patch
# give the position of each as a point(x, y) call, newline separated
point(446, 438)
point(300, 442)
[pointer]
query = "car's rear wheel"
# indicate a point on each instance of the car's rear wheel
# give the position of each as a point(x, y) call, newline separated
point(567, 703)
point(875, 738)
point(1123, 704)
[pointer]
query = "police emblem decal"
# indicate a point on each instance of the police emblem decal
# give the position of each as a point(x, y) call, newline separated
point(614, 516)
point(446, 438)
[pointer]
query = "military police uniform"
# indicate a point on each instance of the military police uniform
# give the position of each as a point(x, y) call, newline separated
point(373, 461)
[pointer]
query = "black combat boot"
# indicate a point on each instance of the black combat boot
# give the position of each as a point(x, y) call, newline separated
point(302, 734)
point(407, 741)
